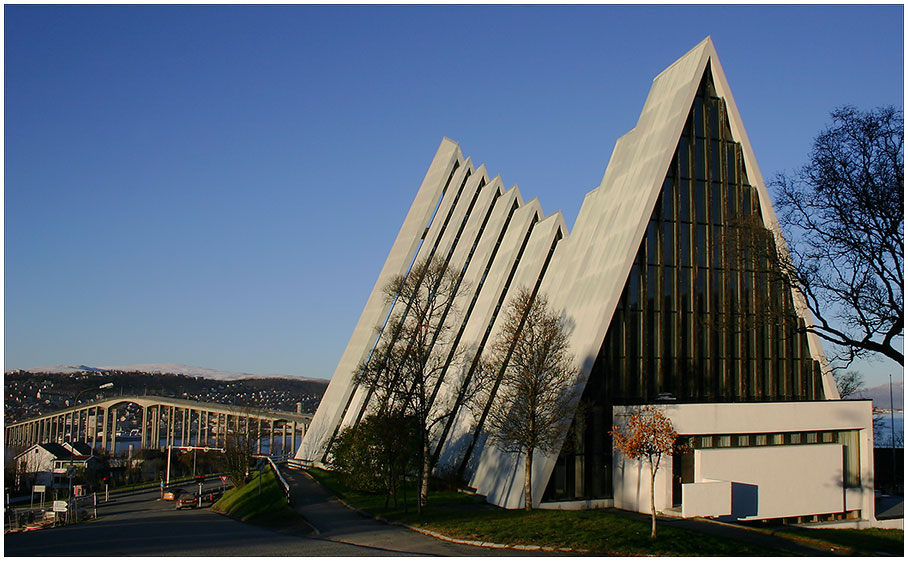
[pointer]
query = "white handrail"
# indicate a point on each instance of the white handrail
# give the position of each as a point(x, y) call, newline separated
point(280, 477)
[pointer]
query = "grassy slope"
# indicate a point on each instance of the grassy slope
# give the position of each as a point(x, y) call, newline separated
point(270, 508)
point(375, 502)
point(604, 531)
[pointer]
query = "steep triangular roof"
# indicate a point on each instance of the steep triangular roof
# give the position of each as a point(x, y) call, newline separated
point(583, 275)
point(590, 267)
point(58, 451)
point(79, 448)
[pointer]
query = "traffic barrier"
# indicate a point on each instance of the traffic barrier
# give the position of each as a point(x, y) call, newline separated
point(280, 477)
point(299, 464)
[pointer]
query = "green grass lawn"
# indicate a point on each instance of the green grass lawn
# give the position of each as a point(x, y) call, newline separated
point(374, 503)
point(872, 541)
point(263, 504)
point(606, 531)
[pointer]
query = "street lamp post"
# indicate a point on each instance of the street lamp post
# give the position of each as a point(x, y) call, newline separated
point(106, 386)
point(193, 448)
point(892, 434)
point(169, 447)
point(103, 386)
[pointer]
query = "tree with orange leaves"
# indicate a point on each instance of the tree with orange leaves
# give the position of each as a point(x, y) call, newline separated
point(648, 435)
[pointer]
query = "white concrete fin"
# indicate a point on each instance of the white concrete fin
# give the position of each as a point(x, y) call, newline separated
point(341, 387)
point(583, 280)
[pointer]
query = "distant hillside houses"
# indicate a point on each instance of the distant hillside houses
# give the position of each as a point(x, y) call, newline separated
point(29, 394)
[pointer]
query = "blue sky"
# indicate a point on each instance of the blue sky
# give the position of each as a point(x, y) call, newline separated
point(219, 185)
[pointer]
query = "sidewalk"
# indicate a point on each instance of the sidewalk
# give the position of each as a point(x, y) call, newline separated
point(334, 521)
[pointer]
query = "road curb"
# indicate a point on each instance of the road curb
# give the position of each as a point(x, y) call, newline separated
point(491, 545)
point(315, 530)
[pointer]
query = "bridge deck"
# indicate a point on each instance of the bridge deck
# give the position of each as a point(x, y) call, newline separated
point(151, 400)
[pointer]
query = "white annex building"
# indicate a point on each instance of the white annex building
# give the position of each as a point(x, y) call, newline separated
point(669, 303)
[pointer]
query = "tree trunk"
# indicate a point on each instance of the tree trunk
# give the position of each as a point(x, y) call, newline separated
point(528, 484)
point(652, 497)
point(424, 477)
point(406, 505)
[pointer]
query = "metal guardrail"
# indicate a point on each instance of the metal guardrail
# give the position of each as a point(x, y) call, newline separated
point(293, 463)
point(23, 519)
point(280, 477)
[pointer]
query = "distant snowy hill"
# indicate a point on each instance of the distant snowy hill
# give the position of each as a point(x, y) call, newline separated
point(880, 395)
point(167, 368)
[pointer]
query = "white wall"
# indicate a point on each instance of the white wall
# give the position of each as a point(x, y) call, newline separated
point(631, 484)
point(706, 498)
point(776, 481)
point(788, 480)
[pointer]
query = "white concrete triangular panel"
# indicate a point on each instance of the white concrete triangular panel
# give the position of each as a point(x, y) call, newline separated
point(500, 244)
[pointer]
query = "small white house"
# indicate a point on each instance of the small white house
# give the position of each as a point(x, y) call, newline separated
point(49, 463)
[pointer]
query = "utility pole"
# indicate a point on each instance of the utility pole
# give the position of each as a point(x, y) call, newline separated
point(193, 448)
point(892, 432)
point(168, 463)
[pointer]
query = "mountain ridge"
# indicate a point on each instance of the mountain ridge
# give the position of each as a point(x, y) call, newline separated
point(166, 368)
point(880, 395)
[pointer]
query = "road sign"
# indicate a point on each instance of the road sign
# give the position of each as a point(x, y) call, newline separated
point(224, 478)
point(59, 506)
point(38, 489)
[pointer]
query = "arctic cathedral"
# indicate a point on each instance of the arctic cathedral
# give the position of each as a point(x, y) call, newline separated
point(665, 283)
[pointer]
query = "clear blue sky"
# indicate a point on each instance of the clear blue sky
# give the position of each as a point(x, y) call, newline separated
point(219, 186)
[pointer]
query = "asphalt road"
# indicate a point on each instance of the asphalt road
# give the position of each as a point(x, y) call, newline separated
point(142, 525)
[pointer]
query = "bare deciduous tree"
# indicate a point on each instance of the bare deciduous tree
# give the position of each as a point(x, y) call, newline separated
point(849, 383)
point(240, 445)
point(414, 354)
point(648, 435)
point(532, 401)
point(843, 213)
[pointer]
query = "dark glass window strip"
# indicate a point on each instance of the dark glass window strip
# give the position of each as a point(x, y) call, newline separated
point(701, 317)
point(849, 439)
point(705, 319)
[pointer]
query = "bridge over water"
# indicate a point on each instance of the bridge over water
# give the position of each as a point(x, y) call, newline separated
point(163, 421)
